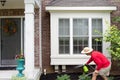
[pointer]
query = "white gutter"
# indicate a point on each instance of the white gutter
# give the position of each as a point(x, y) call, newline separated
point(81, 8)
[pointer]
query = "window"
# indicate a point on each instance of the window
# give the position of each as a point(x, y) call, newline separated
point(97, 26)
point(80, 35)
point(76, 33)
point(64, 36)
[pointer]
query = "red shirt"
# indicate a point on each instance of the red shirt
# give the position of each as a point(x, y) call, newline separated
point(100, 60)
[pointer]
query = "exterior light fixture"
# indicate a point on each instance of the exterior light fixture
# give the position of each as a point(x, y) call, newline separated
point(2, 2)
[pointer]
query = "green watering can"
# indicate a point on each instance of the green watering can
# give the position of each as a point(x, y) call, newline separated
point(85, 69)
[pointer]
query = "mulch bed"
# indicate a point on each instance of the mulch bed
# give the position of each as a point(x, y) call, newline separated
point(73, 76)
point(53, 76)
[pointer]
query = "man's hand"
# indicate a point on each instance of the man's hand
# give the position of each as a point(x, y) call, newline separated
point(96, 72)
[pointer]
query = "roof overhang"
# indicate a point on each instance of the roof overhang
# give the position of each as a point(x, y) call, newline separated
point(106, 8)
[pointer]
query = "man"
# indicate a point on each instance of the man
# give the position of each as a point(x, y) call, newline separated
point(103, 65)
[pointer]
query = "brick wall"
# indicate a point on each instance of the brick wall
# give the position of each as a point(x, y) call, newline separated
point(20, 12)
point(115, 68)
point(37, 44)
point(46, 38)
point(11, 12)
point(117, 12)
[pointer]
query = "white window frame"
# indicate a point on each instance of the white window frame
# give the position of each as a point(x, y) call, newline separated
point(74, 59)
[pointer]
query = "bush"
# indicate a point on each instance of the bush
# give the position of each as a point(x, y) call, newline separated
point(112, 35)
point(84, 77)
point(63, 77)
point(110, 78)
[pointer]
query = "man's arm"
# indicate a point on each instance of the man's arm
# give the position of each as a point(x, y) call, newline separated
point(89, 61)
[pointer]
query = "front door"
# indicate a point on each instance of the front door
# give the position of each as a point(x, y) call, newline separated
point(10, 40)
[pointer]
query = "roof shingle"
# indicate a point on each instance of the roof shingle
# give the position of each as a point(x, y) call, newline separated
point(79, 3)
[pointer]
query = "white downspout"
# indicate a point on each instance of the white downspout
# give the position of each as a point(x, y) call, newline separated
point(40, 34)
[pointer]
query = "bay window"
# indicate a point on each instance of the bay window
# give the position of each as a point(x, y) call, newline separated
point(72, 29)
point(71, 32)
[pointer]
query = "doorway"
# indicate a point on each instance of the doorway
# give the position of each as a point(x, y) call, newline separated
point(11, 40)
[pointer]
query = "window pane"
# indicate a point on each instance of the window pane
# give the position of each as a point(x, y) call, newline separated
point(64, 36)
point(97, 45)
point(63, 27)
point(64, 45)
point(96, 26)
point(80, 27)
point(79, 44)
point(80, 35)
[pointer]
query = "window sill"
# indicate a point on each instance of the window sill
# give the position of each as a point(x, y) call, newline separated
point(69, 59)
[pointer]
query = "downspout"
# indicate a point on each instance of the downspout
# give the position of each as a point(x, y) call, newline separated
point(40, 29)
point(38, 2)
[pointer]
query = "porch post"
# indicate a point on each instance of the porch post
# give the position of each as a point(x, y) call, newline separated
point(29, 37)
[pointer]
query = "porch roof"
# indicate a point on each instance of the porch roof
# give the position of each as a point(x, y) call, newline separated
point(79, 3)
point(17, 4)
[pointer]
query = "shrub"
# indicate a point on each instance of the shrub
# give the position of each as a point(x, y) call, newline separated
point(110, 78)
point(112, 35)
point(84, 77)
point(63, 77)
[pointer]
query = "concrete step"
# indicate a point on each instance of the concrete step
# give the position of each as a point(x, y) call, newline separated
point(9, 74)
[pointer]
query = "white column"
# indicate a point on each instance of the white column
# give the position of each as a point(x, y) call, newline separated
point(29, 37)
